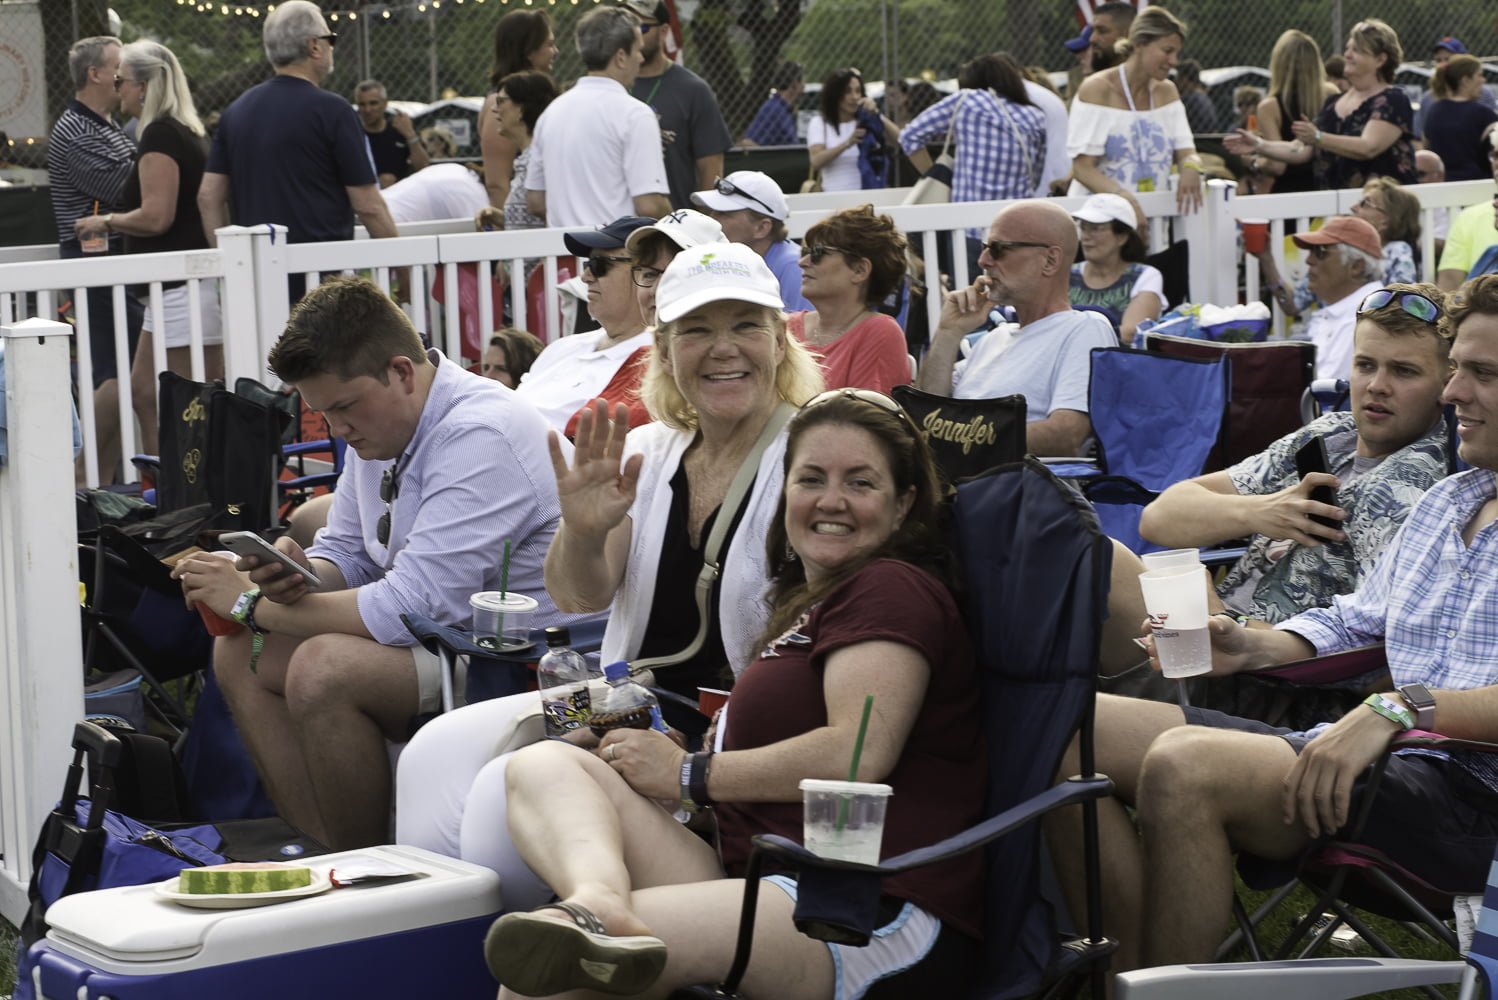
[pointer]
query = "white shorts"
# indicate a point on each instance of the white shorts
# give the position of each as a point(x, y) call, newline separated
point(174, 314)
point(895, 947)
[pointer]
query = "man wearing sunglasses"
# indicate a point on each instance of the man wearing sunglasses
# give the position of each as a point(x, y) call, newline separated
point(596, 151)
point(752, 210)
point(287, 151)
point(1026, 262)
point(447, 476)
point(573, 370)
point(1204, 785)
point(1344, 265)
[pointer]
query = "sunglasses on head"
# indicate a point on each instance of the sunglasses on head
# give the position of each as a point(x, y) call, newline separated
point(727, 187)
point(816, 253)
point(998, 248)
point(1413, 303)
point(390, 488)
point(599, 266)
point(870, 396)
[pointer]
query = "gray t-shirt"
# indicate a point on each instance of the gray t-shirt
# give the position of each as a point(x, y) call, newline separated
point(1049, 362)
point(691, 125)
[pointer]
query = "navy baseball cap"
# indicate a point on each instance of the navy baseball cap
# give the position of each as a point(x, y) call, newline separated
point(1452, 45)
point(1081, 41)
point(609, 237)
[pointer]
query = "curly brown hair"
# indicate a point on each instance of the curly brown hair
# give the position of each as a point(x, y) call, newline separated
point(1478, 296)
point(861, 233)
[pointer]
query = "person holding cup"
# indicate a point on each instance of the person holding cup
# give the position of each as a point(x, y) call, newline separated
point(858, 610)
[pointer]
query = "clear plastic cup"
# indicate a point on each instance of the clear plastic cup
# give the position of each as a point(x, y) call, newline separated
point(502, 621)
point(1171, 558)
point(844, 819)
point(1176, 600)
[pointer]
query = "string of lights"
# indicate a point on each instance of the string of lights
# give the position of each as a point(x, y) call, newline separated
point(372, 12)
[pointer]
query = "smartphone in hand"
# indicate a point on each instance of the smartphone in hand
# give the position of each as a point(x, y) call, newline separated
point(247, 543)
point(1311, 457)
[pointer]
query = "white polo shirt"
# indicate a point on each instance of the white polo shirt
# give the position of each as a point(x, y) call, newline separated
point(1330, 329)
point(571, 371)
point(595, 150)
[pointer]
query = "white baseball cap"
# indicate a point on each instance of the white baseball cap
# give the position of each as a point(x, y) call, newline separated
point(1108, 208)
point(743, 189)
point(685, 228)
point(715, 272)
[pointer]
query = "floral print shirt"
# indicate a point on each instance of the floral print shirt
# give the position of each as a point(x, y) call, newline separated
point(1397, 162)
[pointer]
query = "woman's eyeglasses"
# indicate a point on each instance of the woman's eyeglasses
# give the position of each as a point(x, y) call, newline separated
point(645, 277)
point(390, 488)
point(816, 253)
point(727, 187)
point(870, 396)
point(599, 266)
point(1413, 303)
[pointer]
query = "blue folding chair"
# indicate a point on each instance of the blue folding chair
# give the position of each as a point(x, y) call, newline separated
point(1156, 418)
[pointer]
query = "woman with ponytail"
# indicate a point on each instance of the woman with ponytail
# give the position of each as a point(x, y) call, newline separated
point(1455, 122)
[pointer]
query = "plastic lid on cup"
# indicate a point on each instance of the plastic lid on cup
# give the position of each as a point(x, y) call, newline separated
point(507, 603)
point(849, 787)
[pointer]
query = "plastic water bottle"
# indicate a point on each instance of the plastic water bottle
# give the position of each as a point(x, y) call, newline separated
point(625, 704)
point(562, 676)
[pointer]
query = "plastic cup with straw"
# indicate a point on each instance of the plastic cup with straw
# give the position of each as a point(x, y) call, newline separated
point(845, 819)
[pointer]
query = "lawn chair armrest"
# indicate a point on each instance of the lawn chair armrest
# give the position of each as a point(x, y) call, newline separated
point(1301, 979)
point(1329, 669)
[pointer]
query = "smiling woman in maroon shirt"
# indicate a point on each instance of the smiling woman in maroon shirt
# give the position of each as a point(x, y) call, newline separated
point(857, 610)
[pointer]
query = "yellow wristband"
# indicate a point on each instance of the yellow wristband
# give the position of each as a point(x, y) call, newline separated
point(1194, 165)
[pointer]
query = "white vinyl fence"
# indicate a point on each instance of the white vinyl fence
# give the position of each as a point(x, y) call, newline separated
point(40, 654)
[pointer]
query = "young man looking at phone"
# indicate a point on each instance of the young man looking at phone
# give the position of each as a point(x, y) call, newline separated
point(1383, 453)
point(1205, 786)
point(444, 468)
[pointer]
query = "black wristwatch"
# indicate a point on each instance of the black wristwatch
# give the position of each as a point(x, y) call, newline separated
point(1421, 702)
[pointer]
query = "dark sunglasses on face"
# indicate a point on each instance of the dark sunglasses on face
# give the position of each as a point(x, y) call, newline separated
point(599, 266)
point(331, 38)
point(998, 248)
point(390, 488)
point(1413, 303)
point(727, 187)
point(1319, 251)
point(816, 253)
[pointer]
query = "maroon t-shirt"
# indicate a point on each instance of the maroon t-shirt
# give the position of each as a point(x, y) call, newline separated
point(939, 779)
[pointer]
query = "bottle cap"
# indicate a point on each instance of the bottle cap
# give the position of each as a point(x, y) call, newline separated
point(557, 635)
point(615, 671)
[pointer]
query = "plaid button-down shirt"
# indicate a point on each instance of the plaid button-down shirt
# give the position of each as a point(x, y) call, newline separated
point(1432, 599)
point(1000, 146)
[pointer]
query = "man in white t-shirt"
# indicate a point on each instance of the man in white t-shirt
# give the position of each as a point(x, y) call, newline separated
point(1344, 265)
point(441, 191)
point(596, 154)
point(1026, 264)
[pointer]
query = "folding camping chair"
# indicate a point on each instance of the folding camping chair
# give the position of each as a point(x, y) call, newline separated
point(1266, 381)
point(1036, 577)
point(967, 436)
point(1155, 418)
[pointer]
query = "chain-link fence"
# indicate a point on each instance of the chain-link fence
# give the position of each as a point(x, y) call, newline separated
point(424, 50)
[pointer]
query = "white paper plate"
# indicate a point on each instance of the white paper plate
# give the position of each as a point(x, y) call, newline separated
point(239, 900)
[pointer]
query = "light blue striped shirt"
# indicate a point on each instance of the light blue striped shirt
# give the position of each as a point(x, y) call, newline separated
point(1431, 599)
point(475, 473)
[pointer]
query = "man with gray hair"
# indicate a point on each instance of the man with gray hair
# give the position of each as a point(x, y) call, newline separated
point(393, 145)
point(596, 153)
point(88, 162)
point(287, 151)
point(1344, 265)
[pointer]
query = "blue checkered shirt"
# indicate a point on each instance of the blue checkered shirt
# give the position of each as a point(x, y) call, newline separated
point(1431, 599)
point(1000, 145)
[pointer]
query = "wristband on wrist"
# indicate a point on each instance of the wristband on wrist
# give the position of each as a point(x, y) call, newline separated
point(697, 766)
point(1316, 139)
point(685, 781)
point(1240, 620)
point(243, 612)
point(1391, 710)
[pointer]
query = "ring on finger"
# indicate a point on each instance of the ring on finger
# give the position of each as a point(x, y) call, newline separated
point(613, 750)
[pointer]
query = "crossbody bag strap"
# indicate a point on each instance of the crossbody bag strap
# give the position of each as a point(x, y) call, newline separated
point(946, 143)
point(712, 563)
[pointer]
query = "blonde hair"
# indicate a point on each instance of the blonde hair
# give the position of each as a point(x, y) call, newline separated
point(1297, 75)
point(1378, 39)
point(797, 378)
point(1445, 80)
point(167, 95)
point(1151, 25)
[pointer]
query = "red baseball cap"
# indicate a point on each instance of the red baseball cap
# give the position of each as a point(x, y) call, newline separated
point(1343, 229)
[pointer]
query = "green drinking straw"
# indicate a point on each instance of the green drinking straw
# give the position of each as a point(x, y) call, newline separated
point(863, 729)
point(504, 587)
